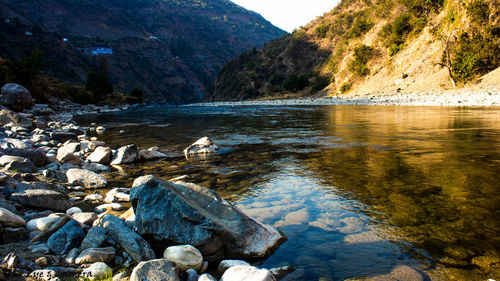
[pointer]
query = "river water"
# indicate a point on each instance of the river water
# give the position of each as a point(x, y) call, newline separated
point(358, 190)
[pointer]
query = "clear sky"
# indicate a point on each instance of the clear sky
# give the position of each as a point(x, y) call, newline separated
point(288, 14)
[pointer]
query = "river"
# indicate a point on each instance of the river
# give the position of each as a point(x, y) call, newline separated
point(358, 190)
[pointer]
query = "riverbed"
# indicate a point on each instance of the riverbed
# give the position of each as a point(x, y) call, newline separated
point(358, 190)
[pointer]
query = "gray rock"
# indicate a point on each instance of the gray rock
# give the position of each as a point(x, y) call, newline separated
point(191, 275)
point(9, 219)
point(184, 256)
point(55, 175)
point(156, 270)
point(92, 255)
point(22, 167)
point(67, 153)
point(190, 214)
point(42, 223)
point(206, 277)
point(226, 264)
point(86, 178)
point(8, 205)
point(151, 154)
point(47, 199)
point(101, 155)
point(7, 159)
point(16, 96)
point(96, 167)
point(118, 194)
point(12, 235)
point(41, 249)
point(37, 156)
point(203, 145)
point(125, 155)
point(280, 272)
point(7, 116)
point(95, 238)
point(68, 237)
point(36, 215)
point(245, 272)
point(110, 206)
point(72, 256)
point(86, 218)
point(138, 248)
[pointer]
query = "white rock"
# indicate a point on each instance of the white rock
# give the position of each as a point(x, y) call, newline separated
point(109, 206)
point(9, 219)
point(226, 264)
point(7, 159)
point(86, 178)
point(247, 273)
point(101, 155)
point(184, 256)
point(67, 153)
point(93, 197)
point(203, 145)
point(206, 277)
point(118, 194)
point(41, 223)
point(98, 270)
point(100, 129)
point(73, 210)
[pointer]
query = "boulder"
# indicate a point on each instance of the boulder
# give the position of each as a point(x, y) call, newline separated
point(247, 273)
point(95, 238)
point(7, 116)
point(138, 248)
point(125, 155)
point(184, 256)
point(16, 96)
point(98, 270)
point(67, 153)
point(203, 145)
point(156, 270)
point(65, 239)
point(39, 198)
point(37, 156)
point(86, 178)
point(9, 219)
point(12, 235)
point(92, 255)
point(190, 214)
point(151, 154)
point(22, 167)
point(101, 155)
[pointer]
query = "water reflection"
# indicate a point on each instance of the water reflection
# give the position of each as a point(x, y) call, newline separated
point(358, 190)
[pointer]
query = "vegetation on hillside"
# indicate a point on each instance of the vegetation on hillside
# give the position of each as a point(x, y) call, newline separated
point(358, 38)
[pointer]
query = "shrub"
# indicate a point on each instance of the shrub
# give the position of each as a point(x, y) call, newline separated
point(396, 48)
point(99, 85)
point(345, 87)
point(478, 11)
point(295, 82)
point(360, 27)
point(321, 30)
point(319, 83)
point(362, 55)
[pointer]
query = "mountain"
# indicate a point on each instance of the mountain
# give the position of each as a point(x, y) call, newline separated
point(170, 49)
point(372, 46)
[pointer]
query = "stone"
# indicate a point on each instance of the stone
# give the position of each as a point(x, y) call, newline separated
point(97, 270)
point(14, 143)
point(86, 178)
point(68, 237)
point(72, 256)
point(36, 215)
point(9, 219)
point(39, 138)
point(399, 273)
point(41, 223)
point(206, 277)
point(63, 136)
point(125, 155)
point(156, 270)
point(93, 197)
point(190, 214)
point(43, 274)
point(151, 154)
point(101, 155)
point(8, 116)
point(95, 238)
point(192, 275)
point(109, 206)
point(282, 271)
point(38, 198)
point(9, 205)
point(22, 167)
point(41, 249)
point(16, 96)
point(73, 210)
point(96, 167)
point(37, 156)
point(41, 261)
point(12, 235)
point(119, 276)
point(100, 129)
point(203, 145)
point(92, 255)
point(247, 273)
point(55, 175)
point(7, 159)
point(138, 248)
point(118, 194)
point(226, 264)
point(184, 256)
point(67, 153)
point(363, 237)
point(86, 218)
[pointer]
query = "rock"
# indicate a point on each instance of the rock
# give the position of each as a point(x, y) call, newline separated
point(138, 248)
point(95, 167)
point(363, 237)
point(191, 275)
point(63, 136)
point(67, 153)
point(8, 204)
point(16, 96)
point(9, 219)
point(85, 218)
point(95, 238)
point(190, 214)
point(41, 249)
point(37, 156)
point(109, 206)
point(185, 257)
point(486, 262)
point(41, 261)
point(14, 262)
point(101, 155)
point(280, 272)
point(91, 255)
point(22, 167)
point(7, 159)
point(55, 175)
point(125, 155)
point(43, 274)
point(118, 194)
point(72, 256)
point(68, 237)
point(93, 197)
point(156, 270)
point(12, 235)
point(226, 264)
point(45, 234)
point(39, 138)
point(206, 277)
point(203, 145)
point(151, 154)
point(86, 178)
point(100, 129)
point(7, 116)
point(41, 223)
point(247, 273)
point(204, 267)
point(38, 198)
point(98, 270)
point(120, 276)
point(37, 215)
point(73, 210)
point(399, 273)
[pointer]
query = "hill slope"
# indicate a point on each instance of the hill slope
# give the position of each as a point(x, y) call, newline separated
point(372, 46)
point(170, 49)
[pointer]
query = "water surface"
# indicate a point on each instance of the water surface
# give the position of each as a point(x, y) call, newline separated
point(358, 190)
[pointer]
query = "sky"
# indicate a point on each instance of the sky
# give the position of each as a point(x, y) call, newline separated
point(288, 14)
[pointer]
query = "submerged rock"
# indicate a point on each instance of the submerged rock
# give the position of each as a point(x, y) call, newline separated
point(190, 214)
